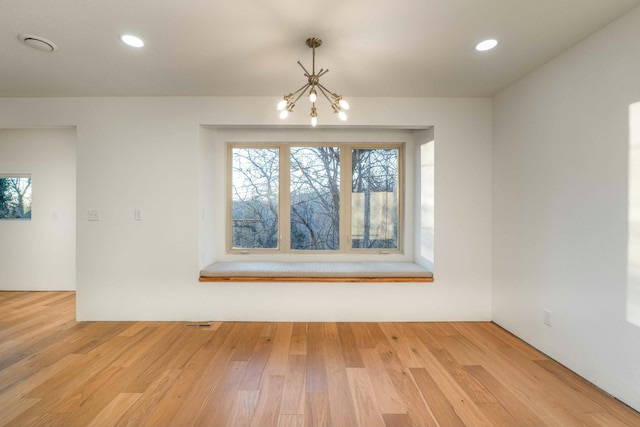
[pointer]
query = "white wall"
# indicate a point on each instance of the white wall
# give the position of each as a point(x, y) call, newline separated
point(560, 231)
point(148, 153)
point(40, 254)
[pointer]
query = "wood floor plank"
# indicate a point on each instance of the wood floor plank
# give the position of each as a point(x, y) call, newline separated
point(55, 371)
point(558, 391)
point(144, 340)
point(249, 338)
point(376, 332)
point(243, 407)
point(22, 389)
point(191, 393)
point(92, 364)
point(387, 397)
point(111, 413)
point(405, 386)
point(14, 407)
point(475, 390)
point(517, 408)
point(441, 407)
point(9, 344)
point(497, 414)
point(362, 335)
point(89, 393)
point(606, 419)
point(37, 339)
point(294, 385)
point(267, 409)
point(363, 394)
point(463, 404)
point(463, 351)
point(256, 364)
point(316, 375)
point(279, 354)
point(341, 407)
point(397, 420)
point(172, 352)
point(298, 342)
point(447, 328)
point(534, 394)
point(291, 420)
point(349, 345)
point(219, 406)
point(397, 335)
point(149, 400)
point(316, 411)
point(513, 342)
point(622, 413)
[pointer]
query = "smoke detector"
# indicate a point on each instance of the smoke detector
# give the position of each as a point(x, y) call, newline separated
point(37, 42)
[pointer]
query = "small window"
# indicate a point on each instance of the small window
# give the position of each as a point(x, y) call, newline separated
point(15, 197)
point(339, 198)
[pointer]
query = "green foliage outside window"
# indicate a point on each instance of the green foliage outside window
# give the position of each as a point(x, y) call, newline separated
point(15, 197)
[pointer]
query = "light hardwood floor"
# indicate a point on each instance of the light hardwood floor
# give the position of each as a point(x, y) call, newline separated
point(55, 371)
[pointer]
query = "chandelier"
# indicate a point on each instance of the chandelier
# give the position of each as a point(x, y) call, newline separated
point(288, 102)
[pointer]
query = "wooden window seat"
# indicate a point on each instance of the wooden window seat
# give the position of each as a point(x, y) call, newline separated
point(315, 272)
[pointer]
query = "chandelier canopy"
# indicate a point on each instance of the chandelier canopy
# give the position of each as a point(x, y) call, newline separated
point(288, 102)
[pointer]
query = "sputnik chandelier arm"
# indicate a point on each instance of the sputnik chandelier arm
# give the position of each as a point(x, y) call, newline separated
point(338, 104)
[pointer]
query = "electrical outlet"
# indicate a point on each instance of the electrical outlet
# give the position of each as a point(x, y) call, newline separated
point(138, 214)
point(546, 317)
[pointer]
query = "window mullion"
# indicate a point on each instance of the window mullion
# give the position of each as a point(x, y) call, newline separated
point(345, 198)
point(229, 198)
point(284, 211)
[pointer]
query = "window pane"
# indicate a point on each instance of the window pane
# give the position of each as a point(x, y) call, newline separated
point(315, 198)
point(254, 198)
point(15, 197)
point(374, 199)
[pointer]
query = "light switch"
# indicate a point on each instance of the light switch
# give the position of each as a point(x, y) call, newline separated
point(93, 214)
point(138, 214)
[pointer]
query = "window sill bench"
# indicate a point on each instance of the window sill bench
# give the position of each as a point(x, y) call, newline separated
point(315, 272)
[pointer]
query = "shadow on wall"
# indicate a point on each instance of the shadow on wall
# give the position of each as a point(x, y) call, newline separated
point(633, 257)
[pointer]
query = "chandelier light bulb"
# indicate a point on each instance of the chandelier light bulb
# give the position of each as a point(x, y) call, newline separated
point(313, 96)
point(314, 121)
point(282, 104)
point(343, 104)
point(343, 116)
point(284, 114)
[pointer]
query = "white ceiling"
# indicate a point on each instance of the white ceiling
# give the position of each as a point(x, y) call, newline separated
point(401, 48)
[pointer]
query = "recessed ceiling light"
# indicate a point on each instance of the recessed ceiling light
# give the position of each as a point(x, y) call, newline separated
point(131, 40)
point(486, 45)
point(38, 42)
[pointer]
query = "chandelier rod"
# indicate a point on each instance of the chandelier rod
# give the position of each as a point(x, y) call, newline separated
point(306, 73)
point(302, 91)
point(322, 90)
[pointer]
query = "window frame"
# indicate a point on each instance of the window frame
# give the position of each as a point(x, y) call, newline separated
point(284, 199)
